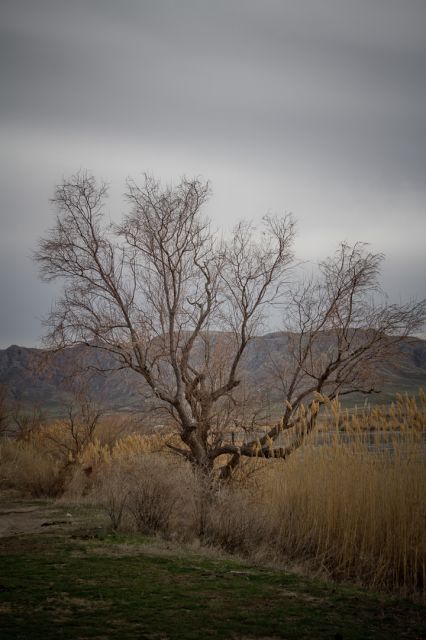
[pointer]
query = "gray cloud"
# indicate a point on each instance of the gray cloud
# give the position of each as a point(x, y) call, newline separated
point(314, 107)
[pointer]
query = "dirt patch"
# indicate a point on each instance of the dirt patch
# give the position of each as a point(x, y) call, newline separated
point(21, 516)
point(148, 548)
point(15, 521)
point(306, 597)
point(69, 602)
point(122, 549)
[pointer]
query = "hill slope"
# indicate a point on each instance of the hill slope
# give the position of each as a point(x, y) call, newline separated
point(34, 378)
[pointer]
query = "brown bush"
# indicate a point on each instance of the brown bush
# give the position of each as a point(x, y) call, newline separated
point(29, 469)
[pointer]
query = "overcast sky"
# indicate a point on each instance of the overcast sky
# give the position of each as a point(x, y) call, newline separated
point(317, 107)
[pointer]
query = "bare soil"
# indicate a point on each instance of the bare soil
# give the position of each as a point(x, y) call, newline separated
point(24, 516)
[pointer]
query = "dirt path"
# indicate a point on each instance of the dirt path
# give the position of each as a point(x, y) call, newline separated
point(20, 516)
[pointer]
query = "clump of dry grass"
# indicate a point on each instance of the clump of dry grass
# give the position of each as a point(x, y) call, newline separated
point(30, 469)
point(356, 514)
point(355, 506)
point(148, 493)
point(53, 459)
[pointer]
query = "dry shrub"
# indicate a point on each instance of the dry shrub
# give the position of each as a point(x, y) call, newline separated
point(84, 471)
point(134, 445)
point(152, 495)
point(51, 461)
point(148, 493)
point(113, 493)
point(142, 485)
point(234, 520)
point(101, 462)
point(114, 427)
point(29, 469)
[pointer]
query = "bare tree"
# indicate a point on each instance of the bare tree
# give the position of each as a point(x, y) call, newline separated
point(25, 420)
point(165, 296)
point(170, 300)
point(78, 427)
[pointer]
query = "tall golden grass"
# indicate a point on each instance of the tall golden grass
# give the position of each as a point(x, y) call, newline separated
point(355, 506)
point(350, 503)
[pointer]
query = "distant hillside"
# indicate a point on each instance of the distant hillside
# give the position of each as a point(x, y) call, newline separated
point(37, 377)
point(34, 378)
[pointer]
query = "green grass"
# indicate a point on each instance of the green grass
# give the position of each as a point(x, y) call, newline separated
point(82, 585)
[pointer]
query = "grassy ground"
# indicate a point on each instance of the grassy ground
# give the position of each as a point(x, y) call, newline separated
point(74, 580)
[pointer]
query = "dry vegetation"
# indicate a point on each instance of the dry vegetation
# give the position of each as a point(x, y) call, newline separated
point(352, 508)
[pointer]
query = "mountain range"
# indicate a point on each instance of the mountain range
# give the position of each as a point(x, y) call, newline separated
point(33, 377)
